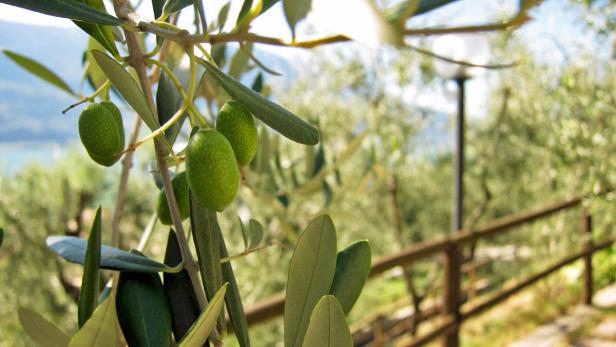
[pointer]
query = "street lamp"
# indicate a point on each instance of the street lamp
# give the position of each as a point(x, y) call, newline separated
point(473, 50)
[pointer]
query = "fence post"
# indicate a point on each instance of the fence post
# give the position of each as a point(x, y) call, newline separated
point(451, 292)
point(588, 283)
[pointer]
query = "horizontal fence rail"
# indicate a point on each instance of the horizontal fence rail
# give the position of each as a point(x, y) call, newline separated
point(273, 306)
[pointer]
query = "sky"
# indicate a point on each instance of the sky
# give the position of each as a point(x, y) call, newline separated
point(555, 21)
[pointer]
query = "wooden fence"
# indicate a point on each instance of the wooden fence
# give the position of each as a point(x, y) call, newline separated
point(452, 314)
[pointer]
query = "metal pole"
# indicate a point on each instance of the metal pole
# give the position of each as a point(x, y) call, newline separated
point(459, 159)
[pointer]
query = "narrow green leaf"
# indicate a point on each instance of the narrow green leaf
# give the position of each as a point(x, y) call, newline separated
point(95, 75)
point(352, 269)
point(181, 294)
point(223, 14)
point(207, 238)
point(143, 310)
point(88, 297)
point(239, 61)
point(244, 232)
point(127, 87)
point(101, 33)
point(328, 327)
point(168, 101)
point(40, 329)
point(157, 7)
point(257, 84)
point(272, 114)
point(73, 249)
point(37, 69)
point(172, 6)
point(100, 329)
point(310, 277)
point(319, 161)
point(71, 9)
point(295, 11)
point(248, 4)
point(233, 300)
point(1, 236)
point(200, 331)
point(256, 233)
point(327, 193)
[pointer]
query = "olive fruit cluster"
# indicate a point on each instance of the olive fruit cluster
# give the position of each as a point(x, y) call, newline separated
point(102, 133)
point(213, 155)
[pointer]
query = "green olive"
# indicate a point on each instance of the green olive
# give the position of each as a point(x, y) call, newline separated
point(211, 167)
point(180, 190)
point(235, 122)
point(101, 133)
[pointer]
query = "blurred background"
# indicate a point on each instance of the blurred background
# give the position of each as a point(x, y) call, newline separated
point(537, 132)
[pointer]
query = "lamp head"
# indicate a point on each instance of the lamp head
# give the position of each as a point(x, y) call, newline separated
point(469, 48)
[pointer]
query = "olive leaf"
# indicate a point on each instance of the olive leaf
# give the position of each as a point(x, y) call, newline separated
point(168, 101)
point(200, 331)
point(310, 277)
point(272, 114)
point(172, 6)
point(328, 327)
point(37, 69)
point(100, 329)
point(233, 300)
point(295, 11)
point(73, 249)
point(71, 9)
point(40, 329)
point(143, 310)
point(255, 232)
point(88, 297)
point(247, 5)
point(101, 33)
point(352, 270)
point(182, 297)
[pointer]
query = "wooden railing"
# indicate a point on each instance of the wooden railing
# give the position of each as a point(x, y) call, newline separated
point(451, 248)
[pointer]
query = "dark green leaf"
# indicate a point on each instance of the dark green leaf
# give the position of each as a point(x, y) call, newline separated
point(143, 310)
point(352, 269)
point(40, 329)
point(71, 9)
point(181, 294)
point(1, 236)
point(207, 238)
point(173, 6)
point(219, 54)
point(257, 84)
point(157, 7)
point(199, 333)
point(88, 297)
point(101, 33)
point(168, 101)
point(295, 11)
point(328, 327)
point(319, 161)
point(310, 277)
point(327, 193)
point(38, 70)
point(272, 114)
point(255, 229)
point(73, 249)
point(100, 329)
point(234, 300)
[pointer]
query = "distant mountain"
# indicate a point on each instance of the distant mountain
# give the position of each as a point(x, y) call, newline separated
point(30, 109)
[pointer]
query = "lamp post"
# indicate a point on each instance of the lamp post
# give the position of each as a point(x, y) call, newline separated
point(471, 49)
